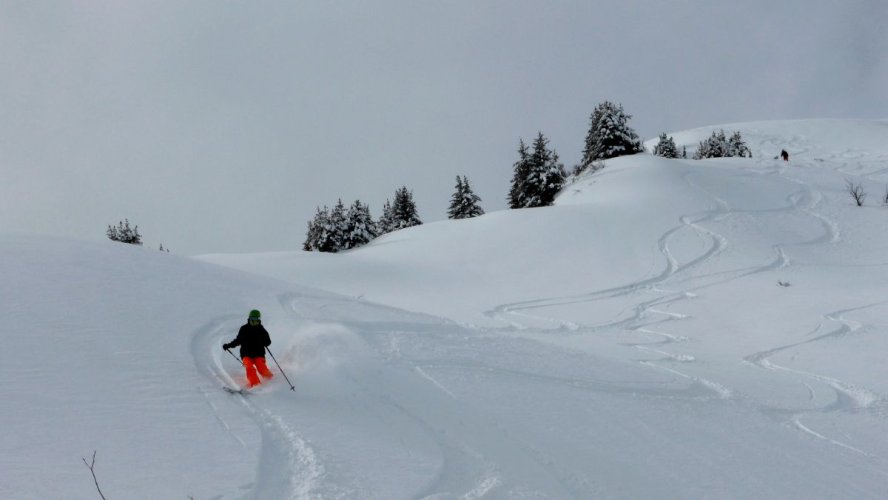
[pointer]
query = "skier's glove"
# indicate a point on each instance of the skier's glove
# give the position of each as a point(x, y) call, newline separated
point(226, 346)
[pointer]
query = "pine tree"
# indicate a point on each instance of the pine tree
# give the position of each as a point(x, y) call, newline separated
point(546, 175)
point(666, 147)
point(519, 178)
point(386, 222)
point(715, 146)
point(703, 150)
point(609, 135)
point(719, 146)
point(337, 227)
point(360, 228)
point(316, 237)
point(737, 147)
point(124, 234)
point(464, 203)
point(327, 236)
point(455, 209)
point(404, 213)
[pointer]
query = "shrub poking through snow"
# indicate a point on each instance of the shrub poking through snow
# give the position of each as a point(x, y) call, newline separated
point(124, 234)
point(856, 192)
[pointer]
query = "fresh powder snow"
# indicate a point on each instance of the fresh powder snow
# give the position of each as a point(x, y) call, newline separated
point(668, 329)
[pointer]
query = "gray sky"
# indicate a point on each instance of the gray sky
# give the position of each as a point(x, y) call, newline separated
point(219, 126)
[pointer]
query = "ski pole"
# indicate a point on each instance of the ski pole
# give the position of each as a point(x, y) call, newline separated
point(233, 356)
point(292, 387)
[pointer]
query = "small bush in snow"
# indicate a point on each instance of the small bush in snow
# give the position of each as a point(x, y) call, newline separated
point(856, 192)
point(124, 234)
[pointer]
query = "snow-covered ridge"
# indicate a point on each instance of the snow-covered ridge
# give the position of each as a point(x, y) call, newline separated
point(669, 329)
point(825, 137)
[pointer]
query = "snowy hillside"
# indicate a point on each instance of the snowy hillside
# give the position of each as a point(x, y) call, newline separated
point(669, 329)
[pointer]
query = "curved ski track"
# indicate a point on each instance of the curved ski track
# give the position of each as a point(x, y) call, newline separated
point(675, 287)
point(288, 467)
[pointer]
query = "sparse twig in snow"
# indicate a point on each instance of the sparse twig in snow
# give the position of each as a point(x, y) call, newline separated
point(856, 191)
point(93, 471)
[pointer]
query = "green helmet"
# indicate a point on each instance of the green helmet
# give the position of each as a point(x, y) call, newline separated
point(255, 314)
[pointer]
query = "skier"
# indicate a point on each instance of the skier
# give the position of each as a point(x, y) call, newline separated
point(784, 155)
point(253, 339)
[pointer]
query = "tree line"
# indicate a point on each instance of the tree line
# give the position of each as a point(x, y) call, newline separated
point(538, 176)
point(337, 229)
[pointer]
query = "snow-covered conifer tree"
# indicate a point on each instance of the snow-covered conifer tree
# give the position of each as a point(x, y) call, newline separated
point(737, 146)
point(521, 169)
point(714, 146)
point(317, 237)
point(328, 235)
point(360, 228)
point(404, 213)
point(546, 174)
point(124, 233)
point(464, 203)
point(666, 147)
point(719, 146)
point(386, 221)
point(609, 135)
point(337, 226)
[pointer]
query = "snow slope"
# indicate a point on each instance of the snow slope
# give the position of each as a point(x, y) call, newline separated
point(632, 341)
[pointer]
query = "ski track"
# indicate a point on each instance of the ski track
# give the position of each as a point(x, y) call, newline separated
point(290, 468)
point(675, 274)
point(848, 396)
point(467, 470)
point(802, 427)
point(287, 467)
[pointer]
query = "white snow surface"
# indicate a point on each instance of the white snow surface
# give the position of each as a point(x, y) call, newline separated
point(669, 329)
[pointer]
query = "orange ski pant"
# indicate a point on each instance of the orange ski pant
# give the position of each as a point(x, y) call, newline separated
point(256, 364)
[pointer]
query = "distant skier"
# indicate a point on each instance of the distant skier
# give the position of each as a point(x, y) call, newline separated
point(784, 155)
point(253, 339)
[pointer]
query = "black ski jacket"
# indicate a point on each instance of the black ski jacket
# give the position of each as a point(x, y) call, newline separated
point(252, 341)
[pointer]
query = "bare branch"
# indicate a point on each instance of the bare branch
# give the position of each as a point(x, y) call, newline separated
point(91, 467)
point(856, 191)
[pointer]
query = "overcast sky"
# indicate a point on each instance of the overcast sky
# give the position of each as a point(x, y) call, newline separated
point(219, 126)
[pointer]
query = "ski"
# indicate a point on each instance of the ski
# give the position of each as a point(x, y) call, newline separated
point(242, 391)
